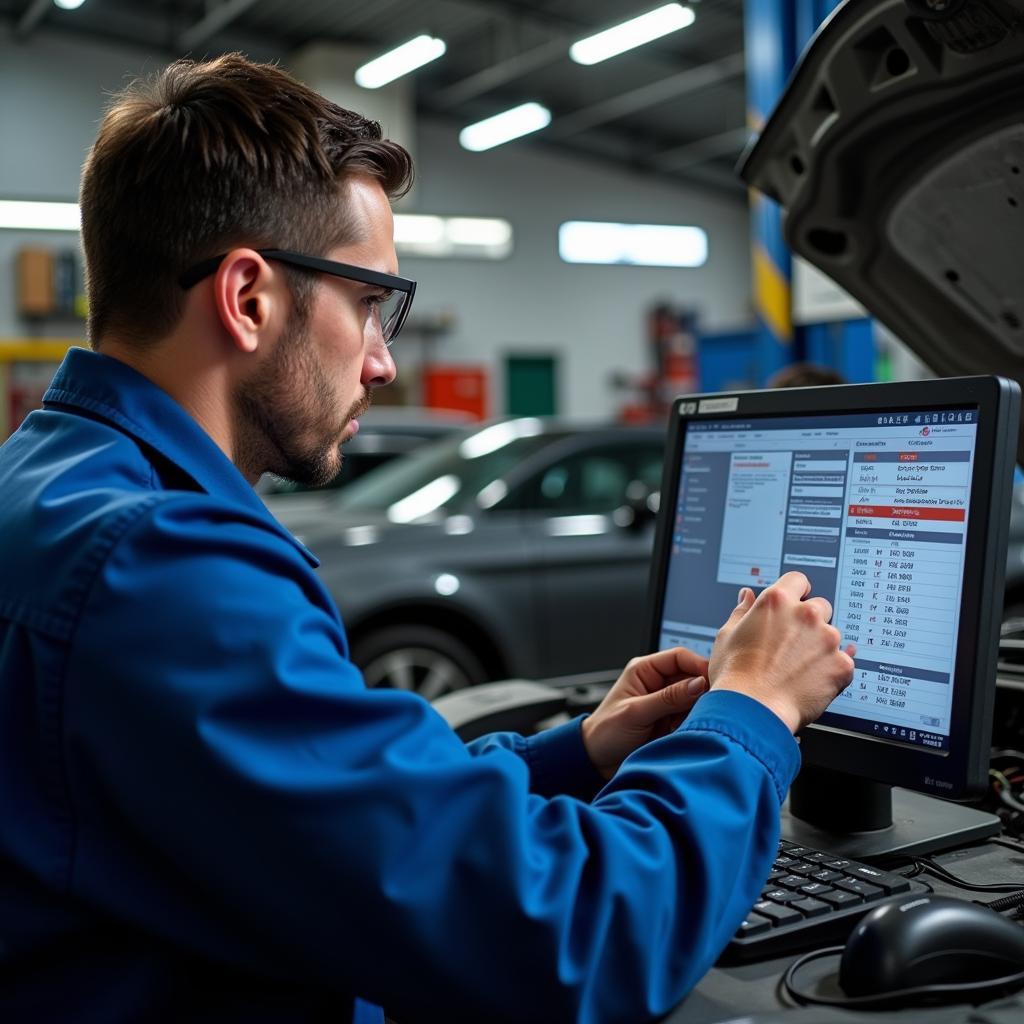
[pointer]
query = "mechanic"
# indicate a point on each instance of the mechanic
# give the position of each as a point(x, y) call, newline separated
point(206, 814)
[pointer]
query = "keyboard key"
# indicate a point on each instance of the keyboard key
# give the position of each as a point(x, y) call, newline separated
point(793, 850)
point(804, 867)
point(885, 880)
point(781, 861)
point(791, 882)
point(838, 864)
point(815, 889)
point(868, 892)
point(839, 898)
point(780, 915)
point(754, 924)
point(826, 876)
point(782, 895)
point(811, 908)
point(817, 857)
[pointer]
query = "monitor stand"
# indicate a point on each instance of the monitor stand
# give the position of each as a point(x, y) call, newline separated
point(864, 820)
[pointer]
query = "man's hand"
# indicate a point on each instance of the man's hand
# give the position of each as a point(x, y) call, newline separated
point(650, 699)
point(781, 650)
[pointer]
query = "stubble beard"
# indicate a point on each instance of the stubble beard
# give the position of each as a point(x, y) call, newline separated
point(284, 415)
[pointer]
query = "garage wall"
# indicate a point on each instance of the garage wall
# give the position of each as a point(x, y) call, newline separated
point(51, 97)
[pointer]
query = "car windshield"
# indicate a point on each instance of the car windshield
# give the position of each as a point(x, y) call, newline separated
point(446, 476)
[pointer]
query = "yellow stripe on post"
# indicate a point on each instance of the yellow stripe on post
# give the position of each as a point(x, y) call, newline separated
point(41, 350)
point(771, 296)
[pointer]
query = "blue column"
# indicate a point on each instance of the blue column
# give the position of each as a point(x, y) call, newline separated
point(847, 346)
point(769, 34)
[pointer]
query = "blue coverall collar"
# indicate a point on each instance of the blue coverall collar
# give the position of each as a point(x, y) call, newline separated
point(108, 388)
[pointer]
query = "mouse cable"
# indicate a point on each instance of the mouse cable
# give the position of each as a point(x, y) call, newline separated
point(890, 1000)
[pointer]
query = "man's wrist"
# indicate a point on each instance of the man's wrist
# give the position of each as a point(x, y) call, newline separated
point(783, 709)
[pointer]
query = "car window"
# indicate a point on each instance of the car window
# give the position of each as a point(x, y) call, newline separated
point(438, 478)
point(588, 482)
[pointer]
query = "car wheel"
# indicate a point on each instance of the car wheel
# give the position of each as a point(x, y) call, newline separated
point(420, 658)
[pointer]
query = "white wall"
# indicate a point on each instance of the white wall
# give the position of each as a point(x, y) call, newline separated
point(594, 315)
point(52, 93)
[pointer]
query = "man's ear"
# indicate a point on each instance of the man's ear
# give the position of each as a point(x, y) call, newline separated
point(250, 298)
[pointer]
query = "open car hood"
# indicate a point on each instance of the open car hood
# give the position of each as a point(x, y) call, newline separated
point(897, 152)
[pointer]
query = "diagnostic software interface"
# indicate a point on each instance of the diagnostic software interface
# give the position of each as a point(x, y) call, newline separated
point(873, 509)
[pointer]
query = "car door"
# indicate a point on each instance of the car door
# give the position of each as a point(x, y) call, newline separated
point(591, 570)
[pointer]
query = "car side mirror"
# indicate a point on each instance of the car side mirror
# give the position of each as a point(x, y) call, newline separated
point(640, 508)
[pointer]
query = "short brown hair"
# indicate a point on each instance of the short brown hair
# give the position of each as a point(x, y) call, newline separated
point(203, 157)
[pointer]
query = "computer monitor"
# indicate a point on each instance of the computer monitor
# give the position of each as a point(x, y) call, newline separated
point(894, 500)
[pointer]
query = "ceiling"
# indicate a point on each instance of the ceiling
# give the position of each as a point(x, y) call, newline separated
point(674, 108)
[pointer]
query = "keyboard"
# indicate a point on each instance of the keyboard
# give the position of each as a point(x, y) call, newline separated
point(812, 899)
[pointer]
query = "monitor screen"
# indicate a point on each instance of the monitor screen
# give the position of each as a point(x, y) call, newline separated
point(873, 509)
point(893, 499)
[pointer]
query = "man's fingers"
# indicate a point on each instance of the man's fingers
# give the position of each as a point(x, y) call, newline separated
point(822, 605)
point(745, 600)
point(675, 699)
point(795, 584)
point(655, 670)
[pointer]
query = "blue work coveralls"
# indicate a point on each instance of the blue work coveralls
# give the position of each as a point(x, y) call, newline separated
point(206, 815)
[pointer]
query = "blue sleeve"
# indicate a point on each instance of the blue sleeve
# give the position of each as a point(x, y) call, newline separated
point(238, 791)
point(556, 758)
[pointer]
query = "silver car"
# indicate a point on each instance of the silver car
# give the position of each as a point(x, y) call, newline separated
point(519, 549)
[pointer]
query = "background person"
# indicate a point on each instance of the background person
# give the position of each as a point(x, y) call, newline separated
point(804, 375)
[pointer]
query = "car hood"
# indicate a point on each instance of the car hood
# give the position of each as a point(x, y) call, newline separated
point(317, 529)
point(897, 153)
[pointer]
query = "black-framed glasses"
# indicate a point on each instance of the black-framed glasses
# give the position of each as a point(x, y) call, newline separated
point(391, 306)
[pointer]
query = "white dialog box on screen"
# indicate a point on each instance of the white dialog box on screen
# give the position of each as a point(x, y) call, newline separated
point(755, 518)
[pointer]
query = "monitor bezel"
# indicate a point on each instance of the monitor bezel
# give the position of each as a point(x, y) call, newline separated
point(962, 771)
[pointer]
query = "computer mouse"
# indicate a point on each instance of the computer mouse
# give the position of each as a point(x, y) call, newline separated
point(929, 940)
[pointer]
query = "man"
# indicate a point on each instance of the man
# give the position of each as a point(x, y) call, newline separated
point(205, 814)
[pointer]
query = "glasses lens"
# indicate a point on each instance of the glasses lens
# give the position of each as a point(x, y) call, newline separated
point(392, 313)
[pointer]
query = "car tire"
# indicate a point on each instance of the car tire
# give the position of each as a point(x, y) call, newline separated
point(420, 658)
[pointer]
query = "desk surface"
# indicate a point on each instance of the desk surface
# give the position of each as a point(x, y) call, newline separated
point(727, 993)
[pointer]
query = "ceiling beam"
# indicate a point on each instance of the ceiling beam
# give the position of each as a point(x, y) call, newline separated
point(31, 17)
point(701, 174)
point(699, 151)
point(705, 176)
point(498, 74)
point(558, 35)
point(212, 22)
point(700, 77)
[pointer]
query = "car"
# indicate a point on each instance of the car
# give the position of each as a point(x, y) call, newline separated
point(385, 433)
point(897, 154)
point(520, 549)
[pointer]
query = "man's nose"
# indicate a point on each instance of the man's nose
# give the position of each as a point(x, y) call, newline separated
point(378, 366)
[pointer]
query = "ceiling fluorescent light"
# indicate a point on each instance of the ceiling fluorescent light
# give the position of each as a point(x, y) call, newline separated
point(629, 34)
point(640, 245)
point(484, 231)
point(418, 234)
point(68, 5)
point(504, 127)
point(418, 229)
point(400, 61)
point(35, 216)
